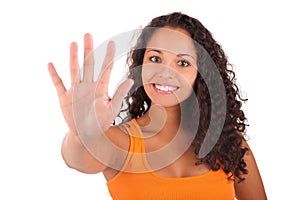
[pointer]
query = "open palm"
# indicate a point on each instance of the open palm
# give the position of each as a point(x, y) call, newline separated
point(86, 106)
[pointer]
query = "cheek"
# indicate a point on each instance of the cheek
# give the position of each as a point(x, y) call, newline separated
point(147, 73)
point(193, 82)
point(190, 78)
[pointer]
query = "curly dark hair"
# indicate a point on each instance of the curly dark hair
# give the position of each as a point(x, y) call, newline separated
point(227, 153)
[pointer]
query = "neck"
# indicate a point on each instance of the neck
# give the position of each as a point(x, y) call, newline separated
point(158, 119)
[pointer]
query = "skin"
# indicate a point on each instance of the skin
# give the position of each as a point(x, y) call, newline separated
point(169, 63)
point(167, 57)
point(164, 65)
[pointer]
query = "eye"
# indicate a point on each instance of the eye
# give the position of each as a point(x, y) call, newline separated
point(155, 59)
point(183, 63)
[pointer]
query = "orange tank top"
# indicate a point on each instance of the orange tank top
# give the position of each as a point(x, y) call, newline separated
point(151, 186)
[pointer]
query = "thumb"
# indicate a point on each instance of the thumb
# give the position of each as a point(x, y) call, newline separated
point(121, 92)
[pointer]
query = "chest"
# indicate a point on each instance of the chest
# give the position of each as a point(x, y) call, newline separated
point(146, 186)
point(172, 160)
point(177, 166)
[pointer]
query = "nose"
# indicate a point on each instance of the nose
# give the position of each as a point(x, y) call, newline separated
point(166, 72)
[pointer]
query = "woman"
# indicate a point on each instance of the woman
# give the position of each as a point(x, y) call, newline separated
point(183, 134)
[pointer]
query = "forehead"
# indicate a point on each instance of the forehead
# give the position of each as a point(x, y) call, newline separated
point(174, 40)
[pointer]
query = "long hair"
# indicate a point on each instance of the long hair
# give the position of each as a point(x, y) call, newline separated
point(227, 153)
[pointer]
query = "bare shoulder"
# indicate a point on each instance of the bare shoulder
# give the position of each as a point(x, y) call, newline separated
point(118, 136)
point(252, 187)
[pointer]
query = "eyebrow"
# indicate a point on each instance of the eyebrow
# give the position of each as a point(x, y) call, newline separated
point(155, 50)
point(178, 55)
point(185, 54)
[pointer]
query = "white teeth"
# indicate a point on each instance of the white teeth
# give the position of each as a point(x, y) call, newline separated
point(165, 88)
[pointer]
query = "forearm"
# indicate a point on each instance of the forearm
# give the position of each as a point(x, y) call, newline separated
point(77, 157)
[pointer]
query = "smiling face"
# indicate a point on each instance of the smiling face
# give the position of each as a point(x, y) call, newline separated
point(169, 66)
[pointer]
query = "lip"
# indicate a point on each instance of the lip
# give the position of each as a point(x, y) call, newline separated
point(163, 91)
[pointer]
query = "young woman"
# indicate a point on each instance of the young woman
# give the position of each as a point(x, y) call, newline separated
point(182, 137)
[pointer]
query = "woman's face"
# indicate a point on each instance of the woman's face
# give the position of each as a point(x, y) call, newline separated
point(169, 66)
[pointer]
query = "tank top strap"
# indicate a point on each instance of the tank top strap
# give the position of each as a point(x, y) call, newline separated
point(136, 137)
point(136, 159)
point(133, 129)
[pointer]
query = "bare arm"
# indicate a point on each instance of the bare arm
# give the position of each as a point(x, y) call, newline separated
point(77, 157)
point(89, 111)
point(84, 159)
point(252, 187)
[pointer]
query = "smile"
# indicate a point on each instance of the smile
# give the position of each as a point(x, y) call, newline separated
point(165, 88)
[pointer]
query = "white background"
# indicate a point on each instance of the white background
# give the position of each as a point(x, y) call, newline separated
point(261, 39)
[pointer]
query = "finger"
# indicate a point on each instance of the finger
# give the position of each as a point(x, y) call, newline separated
point(60, 88)
point(74, 65)
point(119, 95)
point(107, 66)
point(88, 65)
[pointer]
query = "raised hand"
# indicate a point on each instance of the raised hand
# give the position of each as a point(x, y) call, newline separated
point(86, 106)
